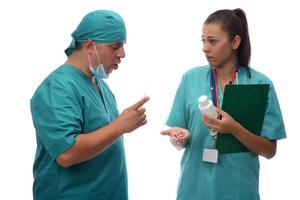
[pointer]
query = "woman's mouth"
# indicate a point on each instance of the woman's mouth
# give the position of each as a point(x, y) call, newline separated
point(209, 57)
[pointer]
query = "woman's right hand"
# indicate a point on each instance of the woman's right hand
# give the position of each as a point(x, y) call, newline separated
point(178, 136)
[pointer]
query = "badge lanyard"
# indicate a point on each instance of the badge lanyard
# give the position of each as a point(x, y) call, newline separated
point(215, 91)
point(211, 154)
point(214, 85)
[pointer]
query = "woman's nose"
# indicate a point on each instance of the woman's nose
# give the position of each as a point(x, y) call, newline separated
point(205, 48)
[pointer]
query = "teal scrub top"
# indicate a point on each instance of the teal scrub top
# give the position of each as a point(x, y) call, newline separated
point(64, 105)
point(236, 175)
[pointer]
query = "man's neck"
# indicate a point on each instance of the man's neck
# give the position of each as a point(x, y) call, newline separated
point(79, 62)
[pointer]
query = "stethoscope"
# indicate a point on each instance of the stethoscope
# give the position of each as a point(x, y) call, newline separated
point(214, 82)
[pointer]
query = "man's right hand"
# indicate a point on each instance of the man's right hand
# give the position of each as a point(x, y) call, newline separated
point(133, 117)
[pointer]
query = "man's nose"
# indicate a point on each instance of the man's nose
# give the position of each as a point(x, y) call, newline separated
point(121, 52)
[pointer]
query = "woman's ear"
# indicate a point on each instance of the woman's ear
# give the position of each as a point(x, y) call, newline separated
point(236, 42)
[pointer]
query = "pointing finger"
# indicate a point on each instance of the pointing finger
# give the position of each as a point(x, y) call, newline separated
point(138, 104)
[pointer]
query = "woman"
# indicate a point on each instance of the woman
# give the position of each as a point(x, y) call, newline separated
point(235, 176)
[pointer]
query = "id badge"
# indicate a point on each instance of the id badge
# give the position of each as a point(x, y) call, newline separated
point(210, 155)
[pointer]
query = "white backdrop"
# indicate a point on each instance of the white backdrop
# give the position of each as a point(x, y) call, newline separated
point(164, 40)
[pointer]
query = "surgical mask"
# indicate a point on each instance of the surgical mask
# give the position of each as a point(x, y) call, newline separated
point(100, 72)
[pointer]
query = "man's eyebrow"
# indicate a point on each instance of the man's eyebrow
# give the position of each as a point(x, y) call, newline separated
point(116, 43)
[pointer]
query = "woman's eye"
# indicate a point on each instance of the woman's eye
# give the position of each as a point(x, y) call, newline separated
point(212, 41)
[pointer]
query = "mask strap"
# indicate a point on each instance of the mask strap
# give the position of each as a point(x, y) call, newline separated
point(97, 54)
point(90, 65)
point(89, 60)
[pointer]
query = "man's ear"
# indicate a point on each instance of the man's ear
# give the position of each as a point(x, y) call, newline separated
point(88, 45)
point(236, 42)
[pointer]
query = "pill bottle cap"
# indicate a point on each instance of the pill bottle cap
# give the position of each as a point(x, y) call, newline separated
point(203, 101)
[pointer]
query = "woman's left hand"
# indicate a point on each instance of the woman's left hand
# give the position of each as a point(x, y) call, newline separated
point(224, 124)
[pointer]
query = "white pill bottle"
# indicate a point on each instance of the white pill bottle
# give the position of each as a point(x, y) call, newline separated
point(207, 107)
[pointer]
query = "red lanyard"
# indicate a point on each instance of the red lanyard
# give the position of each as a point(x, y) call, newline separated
point(214, 85)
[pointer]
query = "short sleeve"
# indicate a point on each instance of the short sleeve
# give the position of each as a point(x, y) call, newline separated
point(178, 116)
point(57, 116)
point(273, 126)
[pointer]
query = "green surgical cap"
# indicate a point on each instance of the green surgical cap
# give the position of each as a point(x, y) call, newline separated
point(102, 26)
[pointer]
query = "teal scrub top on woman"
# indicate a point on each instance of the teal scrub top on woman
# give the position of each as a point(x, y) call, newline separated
point(236, 175)
point(64, 105)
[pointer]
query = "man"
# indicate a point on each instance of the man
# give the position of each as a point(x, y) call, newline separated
point(80, 151)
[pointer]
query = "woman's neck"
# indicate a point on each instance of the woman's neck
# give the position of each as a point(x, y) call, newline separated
point(225, 73)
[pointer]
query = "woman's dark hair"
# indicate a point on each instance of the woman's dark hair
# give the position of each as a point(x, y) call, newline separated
point(234, 22)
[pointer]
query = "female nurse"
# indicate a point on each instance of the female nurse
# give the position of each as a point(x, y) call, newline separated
point(234, 176)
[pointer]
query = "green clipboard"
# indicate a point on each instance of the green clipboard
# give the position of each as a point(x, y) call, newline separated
point(247, 105)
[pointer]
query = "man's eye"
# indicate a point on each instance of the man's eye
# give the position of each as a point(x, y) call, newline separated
point(115, 47)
